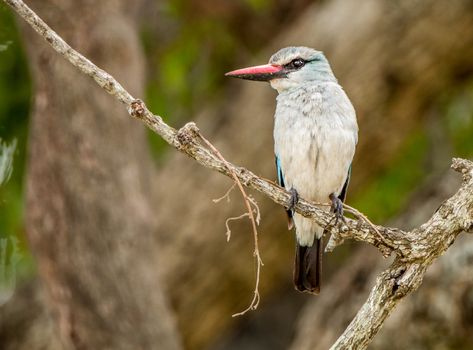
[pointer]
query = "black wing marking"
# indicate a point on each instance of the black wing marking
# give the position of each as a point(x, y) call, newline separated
point(290, 214)
point(343, 193)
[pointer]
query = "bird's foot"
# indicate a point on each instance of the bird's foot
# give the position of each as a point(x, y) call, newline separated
point(293, 200)
point(337, 208)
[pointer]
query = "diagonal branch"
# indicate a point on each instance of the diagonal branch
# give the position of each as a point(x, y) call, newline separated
point(405, 275)
point(415, 250)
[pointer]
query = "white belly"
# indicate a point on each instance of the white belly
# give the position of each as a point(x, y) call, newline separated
point(315, 153)
point(315, 160)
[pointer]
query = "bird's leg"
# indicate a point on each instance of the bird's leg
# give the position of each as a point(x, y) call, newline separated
point(293, 200)
point(337, 208)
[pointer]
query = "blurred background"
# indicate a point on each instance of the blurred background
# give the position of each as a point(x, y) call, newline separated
point(113, 237)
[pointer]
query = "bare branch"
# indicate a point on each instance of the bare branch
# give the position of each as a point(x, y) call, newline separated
point(405, 275)
point(415, 250)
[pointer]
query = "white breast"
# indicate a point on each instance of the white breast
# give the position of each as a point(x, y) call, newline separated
point(315, 135)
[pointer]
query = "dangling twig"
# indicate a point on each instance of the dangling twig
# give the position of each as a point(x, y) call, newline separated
point(228, 233)
point(254, 222)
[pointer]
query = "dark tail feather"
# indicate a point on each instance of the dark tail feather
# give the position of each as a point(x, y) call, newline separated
point(308, 267)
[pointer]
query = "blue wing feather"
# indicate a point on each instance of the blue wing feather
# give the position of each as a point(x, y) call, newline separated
point(279, 170)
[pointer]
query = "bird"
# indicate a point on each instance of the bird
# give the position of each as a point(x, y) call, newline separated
point(315, 136)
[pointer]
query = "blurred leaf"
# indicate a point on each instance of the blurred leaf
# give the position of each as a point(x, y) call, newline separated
point(6, 160)
point(459, 120)
point(15, 89)
point(387, 194)
point(259, 5)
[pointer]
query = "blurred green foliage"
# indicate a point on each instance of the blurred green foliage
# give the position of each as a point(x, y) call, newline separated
point(186, 66)
point(184, 73)
point(259, 5)
point(194, 43)
point(15, 92)
point(386, 195)
point(459, 121)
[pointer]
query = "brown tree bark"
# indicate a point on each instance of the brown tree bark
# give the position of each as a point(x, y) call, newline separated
point(26, 323)
point(89, 214)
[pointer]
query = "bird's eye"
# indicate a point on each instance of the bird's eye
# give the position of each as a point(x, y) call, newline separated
point(297, 63)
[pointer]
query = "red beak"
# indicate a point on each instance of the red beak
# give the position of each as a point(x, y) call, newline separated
point(265, 72)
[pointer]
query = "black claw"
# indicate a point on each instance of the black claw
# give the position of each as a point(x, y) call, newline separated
point(337, 208)
point(293, 200)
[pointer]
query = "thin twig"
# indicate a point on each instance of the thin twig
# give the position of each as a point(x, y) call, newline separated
point(360, 215)
point(256, 208)
point(248, 201)
point(226, 195)
point(233, 218)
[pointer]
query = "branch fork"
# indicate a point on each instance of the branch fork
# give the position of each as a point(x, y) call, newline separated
point(187, 135)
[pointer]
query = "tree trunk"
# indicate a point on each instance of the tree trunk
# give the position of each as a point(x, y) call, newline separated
point(89, 211)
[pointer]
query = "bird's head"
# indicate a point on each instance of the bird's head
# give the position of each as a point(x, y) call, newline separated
point(289, 67)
